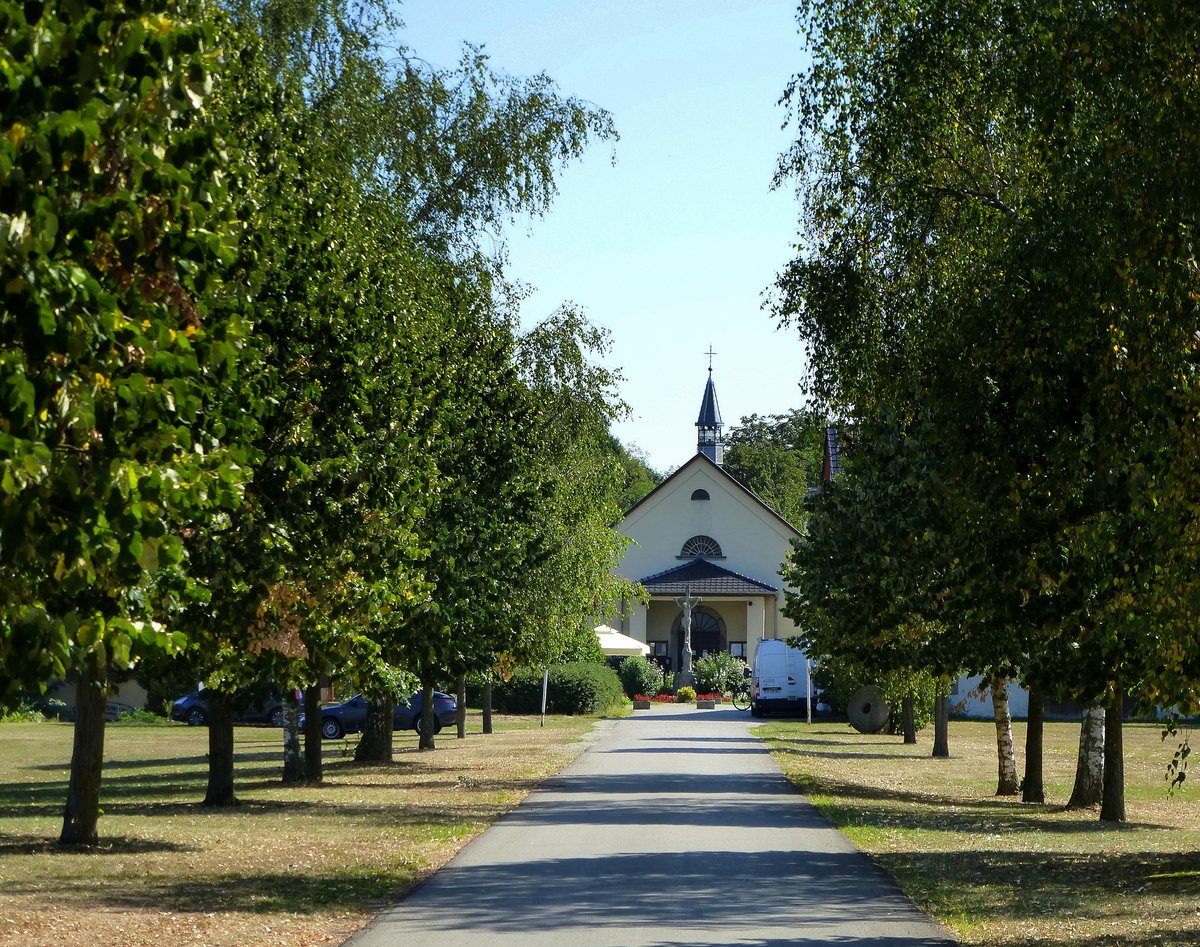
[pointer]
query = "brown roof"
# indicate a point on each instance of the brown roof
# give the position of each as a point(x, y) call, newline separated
point(702, 577)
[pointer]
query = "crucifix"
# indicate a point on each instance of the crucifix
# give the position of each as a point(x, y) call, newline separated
point(687, 602)
point(710, 353)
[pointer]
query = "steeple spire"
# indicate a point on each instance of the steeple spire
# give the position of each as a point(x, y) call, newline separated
point(708, 424)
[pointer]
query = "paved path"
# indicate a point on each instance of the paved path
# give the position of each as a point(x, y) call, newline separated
point(674, 827)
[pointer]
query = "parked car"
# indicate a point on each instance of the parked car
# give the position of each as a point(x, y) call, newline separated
point(114, 710)
point(350, 716)
point(407, 714)
point(193, 709)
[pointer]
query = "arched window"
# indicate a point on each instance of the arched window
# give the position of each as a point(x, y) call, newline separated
point(700, 547)
point(699, 494)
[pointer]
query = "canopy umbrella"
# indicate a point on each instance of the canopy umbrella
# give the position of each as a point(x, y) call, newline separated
point(616, 645)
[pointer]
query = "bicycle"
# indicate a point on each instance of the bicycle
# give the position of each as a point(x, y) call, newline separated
point(741, 696)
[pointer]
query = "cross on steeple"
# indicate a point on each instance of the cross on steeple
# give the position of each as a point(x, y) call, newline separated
point(708, 425)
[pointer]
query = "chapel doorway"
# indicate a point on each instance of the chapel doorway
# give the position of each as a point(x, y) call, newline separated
point(708, 634)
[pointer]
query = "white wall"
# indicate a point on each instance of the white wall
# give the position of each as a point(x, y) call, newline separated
point(752, 540)
point(971, 697)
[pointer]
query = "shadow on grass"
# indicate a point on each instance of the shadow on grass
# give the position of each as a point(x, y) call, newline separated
point(39, 798)
point(267, 892)
point(871, 805)
point(175, 762)
point(116, 845)
point(1033, 885)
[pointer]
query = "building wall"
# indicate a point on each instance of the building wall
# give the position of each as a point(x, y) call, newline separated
point(971, 699)
point(753, 542)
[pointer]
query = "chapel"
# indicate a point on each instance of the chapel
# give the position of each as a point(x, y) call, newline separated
point(701, 533)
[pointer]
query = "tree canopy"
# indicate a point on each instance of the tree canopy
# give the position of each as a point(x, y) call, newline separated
point(268, 408)
point(998, 214)
point(779, 458)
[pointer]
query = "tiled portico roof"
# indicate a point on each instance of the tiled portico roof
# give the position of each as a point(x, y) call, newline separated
point(703, 577)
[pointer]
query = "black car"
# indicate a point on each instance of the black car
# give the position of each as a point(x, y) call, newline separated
point(350, 716)
point(193, 709)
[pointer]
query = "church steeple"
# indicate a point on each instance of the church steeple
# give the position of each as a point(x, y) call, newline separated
point(708, 424)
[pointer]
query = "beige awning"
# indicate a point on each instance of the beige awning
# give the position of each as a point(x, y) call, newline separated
point(616, 645)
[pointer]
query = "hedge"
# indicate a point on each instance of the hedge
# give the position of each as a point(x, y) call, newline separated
point(578, 688)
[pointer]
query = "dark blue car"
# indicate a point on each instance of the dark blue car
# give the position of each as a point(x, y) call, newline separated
point(193, 709)
point(350, 716)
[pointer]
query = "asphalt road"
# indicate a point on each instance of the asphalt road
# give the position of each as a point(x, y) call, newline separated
point(674, 827)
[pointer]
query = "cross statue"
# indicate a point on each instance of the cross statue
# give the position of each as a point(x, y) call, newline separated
point(687, 602)
point(710, 353)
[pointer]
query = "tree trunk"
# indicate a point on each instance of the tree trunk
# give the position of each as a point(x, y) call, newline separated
point(941, 726)
point(313, 762)
point(1112, 806)
point(462, 706)
point(1032, 788)
point(82, 810)
point(293, 754)
point(1089, 768)
point(376, 743)
point(487, 704)
point(220, 751)
point(910, 726)
point(1007, 783)
point(428, 724)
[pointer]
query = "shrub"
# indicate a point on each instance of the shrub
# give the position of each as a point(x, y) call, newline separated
point(34, 709)
point(23, 713)
point(719, 672)
point(578, 688)
point(139, 716)
point(685, 694)
point(668, 683)
point(837, 682)
point(639, 676)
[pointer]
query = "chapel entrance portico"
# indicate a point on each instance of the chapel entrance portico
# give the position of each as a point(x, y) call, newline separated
point(732, 623)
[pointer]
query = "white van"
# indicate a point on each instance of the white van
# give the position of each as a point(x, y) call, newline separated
point(780, 683)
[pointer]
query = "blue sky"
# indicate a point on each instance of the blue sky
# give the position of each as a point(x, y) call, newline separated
point(671, 247)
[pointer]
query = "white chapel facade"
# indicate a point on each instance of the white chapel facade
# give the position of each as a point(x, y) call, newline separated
point(701, 532)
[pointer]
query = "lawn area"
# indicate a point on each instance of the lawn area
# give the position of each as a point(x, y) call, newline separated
point(995, 871)
point(290, 866)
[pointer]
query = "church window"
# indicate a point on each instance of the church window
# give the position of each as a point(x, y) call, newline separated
point(699, 494)
point(700, 547)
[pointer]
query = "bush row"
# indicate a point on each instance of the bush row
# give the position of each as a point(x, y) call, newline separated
point(579, 688)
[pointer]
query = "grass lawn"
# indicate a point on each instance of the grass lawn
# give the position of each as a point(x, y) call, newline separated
point(290, 866)
point(995, 871)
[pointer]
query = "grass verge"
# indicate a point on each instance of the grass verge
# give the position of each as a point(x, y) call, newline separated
point(290, 866)
point(996, 871)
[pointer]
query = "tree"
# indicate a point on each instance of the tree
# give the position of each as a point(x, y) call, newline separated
point(117, 342)
point(1088, 788)
point(637, 476)
point(779, 458)
point(460, 152)
point(997, 200)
